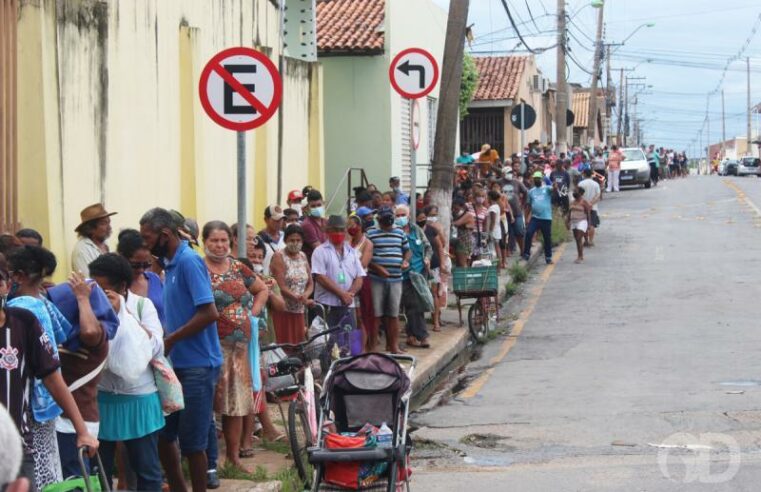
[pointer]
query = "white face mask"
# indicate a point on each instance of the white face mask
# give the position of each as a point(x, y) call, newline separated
point(215, 256)
point(259, 269)
point(433, 219)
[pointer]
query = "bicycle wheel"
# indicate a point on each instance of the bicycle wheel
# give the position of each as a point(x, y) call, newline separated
point(477, 322)
point(300, 437)
point(481, 319)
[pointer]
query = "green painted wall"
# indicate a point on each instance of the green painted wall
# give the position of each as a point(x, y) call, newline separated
point(356, 95)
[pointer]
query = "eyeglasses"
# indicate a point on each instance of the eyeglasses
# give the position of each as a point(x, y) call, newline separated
point(145, 265)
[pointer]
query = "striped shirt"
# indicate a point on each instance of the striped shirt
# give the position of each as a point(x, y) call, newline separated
point(389, 248)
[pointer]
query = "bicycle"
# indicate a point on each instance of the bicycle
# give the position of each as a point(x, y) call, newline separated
point(479, 283)
point(302, 409)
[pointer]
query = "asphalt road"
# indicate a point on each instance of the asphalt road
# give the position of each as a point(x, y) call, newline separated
point(637, 370)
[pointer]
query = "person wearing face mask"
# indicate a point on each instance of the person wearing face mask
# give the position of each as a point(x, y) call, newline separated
point(464, 222)
point(29, 266)
point(191, 343)
point(391, 255)
point(239, 296)
point(145, 283)
point(290, 268)
point(420, 262)
point(27, 354)
point(272, 234)
point(435, 235)
point(364, 249)
point(540, 201)
point(314, 223)
point(480, 233)
point(339, 275)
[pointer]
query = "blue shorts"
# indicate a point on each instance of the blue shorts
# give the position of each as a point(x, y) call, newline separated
point(191, 425)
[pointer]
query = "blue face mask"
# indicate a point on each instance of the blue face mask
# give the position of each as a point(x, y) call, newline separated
point(401, 221)
point(317, 212)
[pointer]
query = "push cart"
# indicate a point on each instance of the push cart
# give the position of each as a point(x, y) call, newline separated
point(479, 283)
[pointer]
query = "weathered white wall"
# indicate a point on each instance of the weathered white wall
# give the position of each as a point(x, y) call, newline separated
point(112, 114)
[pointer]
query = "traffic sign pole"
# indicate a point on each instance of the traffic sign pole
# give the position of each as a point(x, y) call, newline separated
point(413, 163)
point(242, 232)
point(260, 87)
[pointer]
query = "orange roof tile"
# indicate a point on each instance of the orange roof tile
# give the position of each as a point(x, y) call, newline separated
point(499, 77)
point(350, 25)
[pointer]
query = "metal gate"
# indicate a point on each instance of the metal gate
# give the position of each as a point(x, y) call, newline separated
point(482, 126)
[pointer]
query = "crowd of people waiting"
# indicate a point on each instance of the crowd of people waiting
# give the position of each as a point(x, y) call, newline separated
point(209, 312)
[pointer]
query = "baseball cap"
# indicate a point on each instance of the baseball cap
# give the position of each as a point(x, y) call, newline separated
point(537, 174)
point(295, 196)
point(385, 212)
point(364, 211)
point(273, 212)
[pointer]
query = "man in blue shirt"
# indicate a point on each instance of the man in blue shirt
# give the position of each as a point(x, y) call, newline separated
point(540, 200)
point(191, 343)
point(402, 198)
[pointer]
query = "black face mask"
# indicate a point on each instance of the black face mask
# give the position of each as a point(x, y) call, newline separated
point(160, 249)
point(537, 183)
point(386, 220)
point(422, 223)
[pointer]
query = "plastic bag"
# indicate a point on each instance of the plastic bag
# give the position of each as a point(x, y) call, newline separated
point(130, 351)
point(420, 284)
point(169, 387)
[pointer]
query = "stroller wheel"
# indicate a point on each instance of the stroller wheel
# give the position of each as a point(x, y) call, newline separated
point(300, 437)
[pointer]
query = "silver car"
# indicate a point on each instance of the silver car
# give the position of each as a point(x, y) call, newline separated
point(635, 171)
point(749, 166)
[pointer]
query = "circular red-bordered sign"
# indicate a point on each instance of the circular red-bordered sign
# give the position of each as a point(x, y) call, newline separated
point(414, 73)
point(240, 88)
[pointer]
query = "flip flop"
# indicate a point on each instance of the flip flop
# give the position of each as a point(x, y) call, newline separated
point(246, 453)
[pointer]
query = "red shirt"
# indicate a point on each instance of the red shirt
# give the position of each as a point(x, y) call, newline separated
point(314, 232)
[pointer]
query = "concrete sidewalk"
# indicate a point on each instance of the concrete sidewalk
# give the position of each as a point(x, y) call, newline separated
point(446, 346)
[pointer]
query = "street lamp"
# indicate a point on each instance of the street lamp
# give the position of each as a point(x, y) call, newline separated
point(648, 24)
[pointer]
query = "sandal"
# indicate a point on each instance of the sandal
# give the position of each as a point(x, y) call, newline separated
point(246, 453)
point(277, 438)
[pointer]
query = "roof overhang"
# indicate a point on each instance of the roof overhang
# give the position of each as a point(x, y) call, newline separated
point(491, 103)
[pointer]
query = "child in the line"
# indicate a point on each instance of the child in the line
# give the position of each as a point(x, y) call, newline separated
point(578, 220)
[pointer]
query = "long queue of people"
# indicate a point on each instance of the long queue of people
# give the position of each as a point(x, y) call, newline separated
point(93, 348)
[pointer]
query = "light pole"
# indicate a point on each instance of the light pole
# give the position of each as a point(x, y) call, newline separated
point(592, 116)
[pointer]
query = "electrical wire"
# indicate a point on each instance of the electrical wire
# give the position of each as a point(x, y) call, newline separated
point(512, 22)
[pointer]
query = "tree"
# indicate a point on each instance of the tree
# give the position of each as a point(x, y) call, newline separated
point(449, 104)
point(468, 84)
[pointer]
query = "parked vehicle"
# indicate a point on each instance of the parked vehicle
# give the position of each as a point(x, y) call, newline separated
point(728, 167)
point(635, 171)
point(749, 166)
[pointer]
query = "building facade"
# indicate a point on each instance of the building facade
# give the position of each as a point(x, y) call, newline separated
point(111, 111)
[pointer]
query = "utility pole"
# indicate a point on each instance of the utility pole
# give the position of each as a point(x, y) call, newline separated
point(608, 97)
point(448, 120)
point(592, 116)
point(619, 139)
point(723, 127)
point(708, 129)
point(636, 123)
point(748, 146)
point(561, 98)
point(626, 109)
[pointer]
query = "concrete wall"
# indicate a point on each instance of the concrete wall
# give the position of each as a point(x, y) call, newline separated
point(112, 114)
point(357, 121)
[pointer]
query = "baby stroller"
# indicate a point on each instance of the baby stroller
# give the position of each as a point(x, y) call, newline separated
point(359, 396)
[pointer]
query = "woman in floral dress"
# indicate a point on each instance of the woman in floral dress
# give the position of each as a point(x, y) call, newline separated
point(238, 295)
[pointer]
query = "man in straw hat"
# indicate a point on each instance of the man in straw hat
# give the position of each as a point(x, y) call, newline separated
point(93, 230)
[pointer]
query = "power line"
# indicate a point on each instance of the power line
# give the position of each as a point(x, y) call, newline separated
point(512, 22)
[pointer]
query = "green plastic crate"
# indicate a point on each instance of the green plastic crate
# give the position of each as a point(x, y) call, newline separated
point(474, 279)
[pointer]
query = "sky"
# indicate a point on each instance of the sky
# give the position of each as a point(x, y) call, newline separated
point(682, 56)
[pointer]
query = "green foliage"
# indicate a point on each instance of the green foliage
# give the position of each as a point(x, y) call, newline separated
point(518, 273)
point(560, 233)
point(511, 289)
point(468, 83)
point(289, 480)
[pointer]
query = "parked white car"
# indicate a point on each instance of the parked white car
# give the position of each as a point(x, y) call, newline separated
point(635, 171)
point(749, 166)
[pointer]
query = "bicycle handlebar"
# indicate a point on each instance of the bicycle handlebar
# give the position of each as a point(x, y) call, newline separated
point(302, 345)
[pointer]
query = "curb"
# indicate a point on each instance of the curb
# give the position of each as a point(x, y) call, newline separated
point(451, 348)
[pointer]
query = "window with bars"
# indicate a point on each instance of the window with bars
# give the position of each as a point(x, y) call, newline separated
point(433, 113)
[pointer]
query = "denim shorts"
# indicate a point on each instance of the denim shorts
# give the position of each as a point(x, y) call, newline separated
point(191, 425)
point(387, 296)
point(518, 228)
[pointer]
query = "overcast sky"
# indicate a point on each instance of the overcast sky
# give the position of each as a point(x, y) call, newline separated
point(687, 50)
